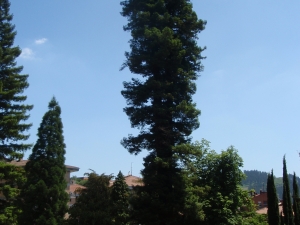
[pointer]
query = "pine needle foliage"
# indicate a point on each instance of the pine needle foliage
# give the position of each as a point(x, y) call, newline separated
point(120, 201)
point(44, 195)
point(13, 114)
point(165, 54)
point(13, 111)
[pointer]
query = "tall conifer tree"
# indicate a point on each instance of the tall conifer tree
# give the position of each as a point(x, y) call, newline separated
point(296, 199)
point(13, 111)
point(287, 204)
point(120, 201)
point(13, 114)
point(44, 195)
point(164, 52)
point(273, 208)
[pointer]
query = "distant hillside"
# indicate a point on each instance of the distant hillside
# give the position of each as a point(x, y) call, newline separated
point(257, 180)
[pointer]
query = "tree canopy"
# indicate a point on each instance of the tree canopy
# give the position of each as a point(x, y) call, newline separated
point(120, 201)
point(44, 196)
point(214, 192)
point(93, 205)
point(13, 116)
point(164, 52)
point(10, 189)
point(13, 111)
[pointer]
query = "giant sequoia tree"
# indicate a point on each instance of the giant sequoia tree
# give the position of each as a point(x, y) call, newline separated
point(44, 195)
point(164, 52)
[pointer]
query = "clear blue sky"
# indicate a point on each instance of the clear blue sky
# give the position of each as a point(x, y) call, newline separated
point(247, 92)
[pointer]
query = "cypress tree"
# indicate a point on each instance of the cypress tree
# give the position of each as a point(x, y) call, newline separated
point(281, 218)
point(93, 206)
point(13, 114)
point(165, 53)
point(296, 207)
point(273, 208)
point(120, 201)
point(44, 195)
point(286, 197)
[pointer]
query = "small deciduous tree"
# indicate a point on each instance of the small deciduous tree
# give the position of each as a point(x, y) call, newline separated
point(93, 206)
point(225, 197)
point(214, 193)
point(44, 196)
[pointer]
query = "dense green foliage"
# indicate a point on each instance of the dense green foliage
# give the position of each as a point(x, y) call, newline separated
point(254, 219)
point(165, 54)
point(44, 196)
point(79, 181)
point(183, 183)
point(214, 193)
point(14, 179)
point(13, 115)
point(273, 208)
point(120, 201)
point(225, 180)
point(286, 197)
point(93, 206)
point(296, 206)
point(13, 112)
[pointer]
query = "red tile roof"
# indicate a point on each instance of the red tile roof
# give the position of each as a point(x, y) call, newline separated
point(74, 187)
point(133, 181)
point(23, 163)
point(130, 181)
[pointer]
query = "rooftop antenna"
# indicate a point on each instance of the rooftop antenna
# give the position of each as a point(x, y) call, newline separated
point(131, 169)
